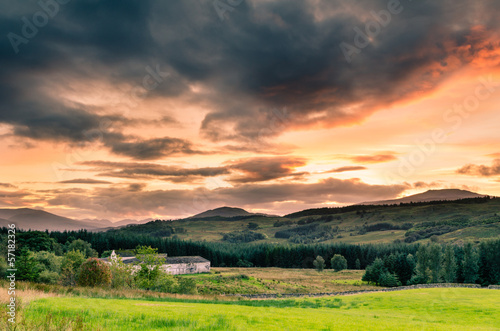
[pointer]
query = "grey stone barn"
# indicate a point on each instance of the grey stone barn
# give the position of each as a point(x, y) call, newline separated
point(179, 265)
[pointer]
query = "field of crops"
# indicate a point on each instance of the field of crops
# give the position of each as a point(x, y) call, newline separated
point(424, 309)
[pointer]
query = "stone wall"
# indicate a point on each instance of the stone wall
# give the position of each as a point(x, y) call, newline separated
point(400, 288)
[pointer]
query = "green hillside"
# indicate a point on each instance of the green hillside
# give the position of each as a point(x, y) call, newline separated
point(466, 219)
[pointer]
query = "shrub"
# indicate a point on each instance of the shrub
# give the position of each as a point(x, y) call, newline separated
point(49, 277)
point(121, 274)
point(338, 262)
point(388, 280)
point(278, 224)
point(186, 285)
point(94, 272)
point(165, 283)
point(244, 264)
point(252, 226)
point(319, 263)
point(246, 236)
point(48, 261)
point(70, 265)
point(82, 246)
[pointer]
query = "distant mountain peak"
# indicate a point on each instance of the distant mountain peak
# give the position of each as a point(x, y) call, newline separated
point(223, 212)
point(430, 195)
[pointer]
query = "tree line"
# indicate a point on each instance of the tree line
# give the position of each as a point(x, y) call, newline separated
point(269, 255)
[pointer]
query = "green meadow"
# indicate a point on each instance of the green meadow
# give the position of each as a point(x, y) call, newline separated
point(424, 309)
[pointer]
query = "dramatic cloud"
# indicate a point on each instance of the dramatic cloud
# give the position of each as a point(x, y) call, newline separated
point(7, 185)
point(375, 158)
point(84, 181)
point(265, 169)
point(138, 83)
point(345, 169)
point(268, 56)
point(175, 203)
point(152, 148)
point(481, 170)
point(135, 170)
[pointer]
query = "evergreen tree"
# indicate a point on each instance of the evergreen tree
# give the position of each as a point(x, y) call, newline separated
point(405, 267)
point(470, 264)
point(435, 262)
point(449, 271)
point(423, 270)
point(27, 266)
point(374, 271)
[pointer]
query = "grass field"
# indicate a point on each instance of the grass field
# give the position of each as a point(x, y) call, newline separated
point(277, 280)
point(429, 309)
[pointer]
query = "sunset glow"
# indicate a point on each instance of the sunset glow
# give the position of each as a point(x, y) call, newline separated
point(166, 110)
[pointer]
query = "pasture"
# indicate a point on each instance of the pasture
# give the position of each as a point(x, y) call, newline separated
point(423, 309)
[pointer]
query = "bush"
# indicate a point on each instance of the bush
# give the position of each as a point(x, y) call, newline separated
point(252, 226)
point(82, 246)
point(278, 224)
point(70, 265)
point(246, 236)
point(319, 263)
point(94, 272)
point(49, 277)
point(186, 285)
point(48, 261)
point(338, 262)
point(388, 280)
point(121, 274)
point(165, 283)
point(244, 264)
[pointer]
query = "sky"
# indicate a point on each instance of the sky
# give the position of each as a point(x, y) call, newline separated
point(164, 109)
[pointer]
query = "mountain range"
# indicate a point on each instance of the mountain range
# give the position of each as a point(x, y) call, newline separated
point(431, 195)
point(34, 219)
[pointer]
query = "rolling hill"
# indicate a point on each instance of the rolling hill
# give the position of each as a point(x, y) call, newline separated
point(34, 219)
point(26, 218)
point(223, 212)
point(473, 218)
point(431, 195)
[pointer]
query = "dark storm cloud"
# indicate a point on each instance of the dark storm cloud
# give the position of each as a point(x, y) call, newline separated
point(481, 170)
point(266, 55)
point(85, 40)
point(134, 170)
point(150, 149)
